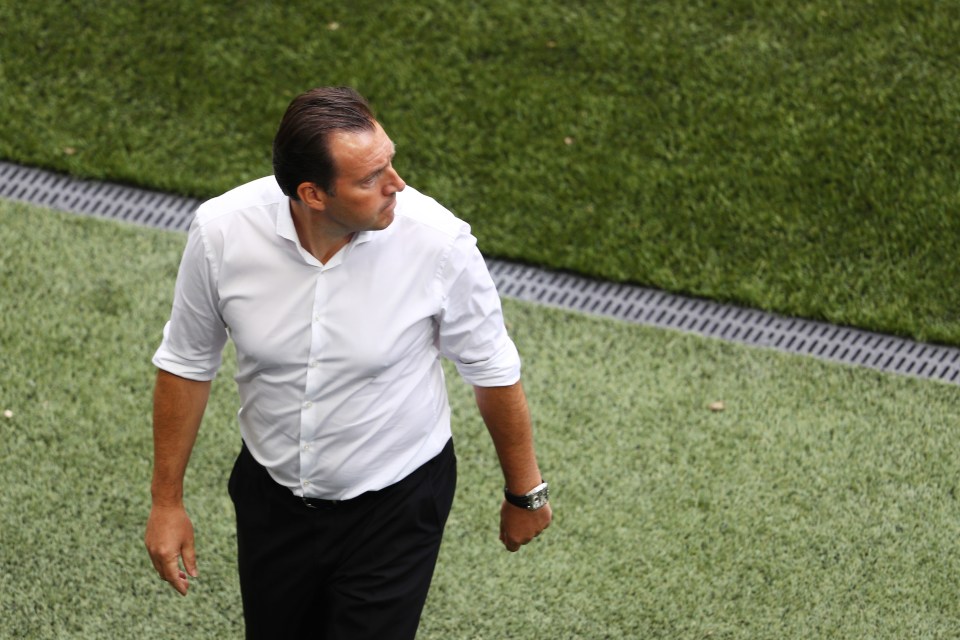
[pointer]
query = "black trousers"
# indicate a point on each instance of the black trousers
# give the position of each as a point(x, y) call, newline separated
point(350, 570)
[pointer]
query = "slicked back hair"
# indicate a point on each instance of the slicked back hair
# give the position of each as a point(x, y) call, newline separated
point(301, 150)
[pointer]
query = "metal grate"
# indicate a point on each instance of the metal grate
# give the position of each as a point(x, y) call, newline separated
point(102, 199)
point(651, 307)
point(620, 301)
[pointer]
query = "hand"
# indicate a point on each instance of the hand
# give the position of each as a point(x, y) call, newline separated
point(519, 526)
point(169, 539)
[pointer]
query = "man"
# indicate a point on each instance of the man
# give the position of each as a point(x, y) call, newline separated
point(341, 288)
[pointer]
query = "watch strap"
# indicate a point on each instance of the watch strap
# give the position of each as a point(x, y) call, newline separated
point(532, 500)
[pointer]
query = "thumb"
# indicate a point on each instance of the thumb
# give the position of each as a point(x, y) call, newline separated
point(189, 555)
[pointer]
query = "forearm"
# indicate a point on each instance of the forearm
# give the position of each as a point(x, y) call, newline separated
point(505, 412)
point(178, 406)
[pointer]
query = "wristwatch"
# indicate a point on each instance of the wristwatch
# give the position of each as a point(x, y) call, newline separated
point(532, 500)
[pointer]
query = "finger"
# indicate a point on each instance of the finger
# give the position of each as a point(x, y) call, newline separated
point(503, 539)
point(167, 566)
point(169, 570)
point(181, 584)
point(163, 565)
point(171, 573)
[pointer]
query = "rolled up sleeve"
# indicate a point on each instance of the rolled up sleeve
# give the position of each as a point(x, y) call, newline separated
point(194, 337)
point(472, 331)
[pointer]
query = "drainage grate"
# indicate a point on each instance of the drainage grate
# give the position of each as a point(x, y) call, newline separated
point(101, 199)
point(651, 307)
point(620, 301)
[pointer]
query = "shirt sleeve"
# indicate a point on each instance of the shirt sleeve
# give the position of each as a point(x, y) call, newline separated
point(472, 331)
point(194, 337)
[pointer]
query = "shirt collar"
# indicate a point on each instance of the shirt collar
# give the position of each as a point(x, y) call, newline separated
point(364, 236)
point(287, 230)
point(285, 227)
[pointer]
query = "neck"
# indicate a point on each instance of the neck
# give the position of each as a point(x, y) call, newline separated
point(318, 239)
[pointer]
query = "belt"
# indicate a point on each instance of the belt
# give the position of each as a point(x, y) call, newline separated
point(326, 505)
point(320, 503)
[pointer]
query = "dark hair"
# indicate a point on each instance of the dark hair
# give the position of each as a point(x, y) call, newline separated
point(301, 151)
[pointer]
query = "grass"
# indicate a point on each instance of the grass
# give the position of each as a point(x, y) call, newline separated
point(800, 158)
point(821, 503)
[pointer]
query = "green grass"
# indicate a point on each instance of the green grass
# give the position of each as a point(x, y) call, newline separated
point(801, 158)
point(822, 503)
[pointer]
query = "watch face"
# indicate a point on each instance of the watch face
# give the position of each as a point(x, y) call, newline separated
point(538, 500)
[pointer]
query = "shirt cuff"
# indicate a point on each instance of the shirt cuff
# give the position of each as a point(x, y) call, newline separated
point(502, 369)
point(199, 369)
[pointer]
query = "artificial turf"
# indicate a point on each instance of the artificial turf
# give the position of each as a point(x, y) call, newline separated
point(820, 503)
point(796, 157)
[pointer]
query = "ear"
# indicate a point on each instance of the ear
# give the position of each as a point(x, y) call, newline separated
point(312, 195)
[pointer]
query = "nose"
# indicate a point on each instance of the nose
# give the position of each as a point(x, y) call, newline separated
point(395, 183)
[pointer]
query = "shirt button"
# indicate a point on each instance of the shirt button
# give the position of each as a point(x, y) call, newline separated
point(306, 483)
point(306, 447)
point(307, 404)
point(315, 363)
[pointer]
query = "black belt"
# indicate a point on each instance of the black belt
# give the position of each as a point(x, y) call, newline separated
point(320, 503)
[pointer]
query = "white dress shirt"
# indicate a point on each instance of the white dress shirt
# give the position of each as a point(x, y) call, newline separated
point(338, 364)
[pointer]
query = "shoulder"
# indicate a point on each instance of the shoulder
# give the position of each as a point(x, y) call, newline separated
point(422, 214)
point(261, 194)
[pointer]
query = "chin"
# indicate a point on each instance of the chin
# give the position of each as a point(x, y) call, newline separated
point(384, 221)
point(387, 215)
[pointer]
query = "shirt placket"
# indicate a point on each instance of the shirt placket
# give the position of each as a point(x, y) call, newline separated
point(310, 411)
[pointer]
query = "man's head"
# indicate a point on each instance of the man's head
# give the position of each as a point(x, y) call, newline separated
point(301, 148)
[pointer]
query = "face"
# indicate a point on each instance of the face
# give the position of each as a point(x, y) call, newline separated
point(364, 193)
